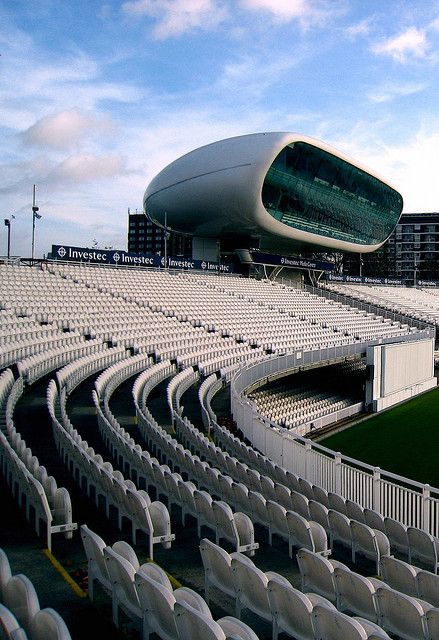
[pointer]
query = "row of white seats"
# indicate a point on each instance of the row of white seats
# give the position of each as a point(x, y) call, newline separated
point(145, 593)
point(198, 504)
point(415, 543)
point(100, 480)
point(385, 601)
point(269, 595)
point(21, 617)
point(50, 503)
point(236, 527)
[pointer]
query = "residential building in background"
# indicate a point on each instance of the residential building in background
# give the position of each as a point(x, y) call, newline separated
point(146, 237)
point(410, 253)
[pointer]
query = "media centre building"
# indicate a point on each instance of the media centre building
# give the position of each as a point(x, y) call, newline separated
point(275, 191)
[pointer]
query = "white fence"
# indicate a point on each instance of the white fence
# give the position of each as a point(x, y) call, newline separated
point(407, 501)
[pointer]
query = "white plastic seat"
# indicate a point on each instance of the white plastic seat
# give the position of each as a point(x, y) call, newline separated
point(330, 624)
point(319, 513)
point(251, 587)
point(124, 594)
point(317, 573)
point(157, 604)
point(397, 534)
point(355, 511)
point(237, 528)
point(291, 610)
point(369, 542)
point(400, 575)
point(5, 572)
point(47, 624)
point(339, 529)
point(97, 567)
point(205, 515)
point(9, 625)
point(217, 569)
point(424, 547)
point(277, 521)
point(337, 502)
point(432, 624)
point(355, 594)
point(428, 587)
point(21, 599)
point(300, 504)
point(401, 615)
point(258, 506)
point(374, 519)
point(306, 534)
point(198, 626)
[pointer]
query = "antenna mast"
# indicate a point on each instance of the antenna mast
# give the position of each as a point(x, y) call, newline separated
point(35, 210)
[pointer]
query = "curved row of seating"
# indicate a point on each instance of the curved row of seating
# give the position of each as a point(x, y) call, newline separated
point(103, 483)
point(411, 541)
point(36, 491)
point(145, 593)
point(404, 601)
point(21, 617)
point(273, 598)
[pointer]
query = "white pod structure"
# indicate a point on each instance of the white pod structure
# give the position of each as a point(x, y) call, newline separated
point(279, 189)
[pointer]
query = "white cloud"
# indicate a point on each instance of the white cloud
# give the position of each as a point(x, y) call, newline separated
point(390, 91)
point(305, 11)
point(175, 17)
point(360, 29)
point(411, 165)
point(88, 168)
point(412, 42)
point(65, 129)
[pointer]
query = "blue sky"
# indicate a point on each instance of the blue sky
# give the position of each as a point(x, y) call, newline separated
point(97, 97)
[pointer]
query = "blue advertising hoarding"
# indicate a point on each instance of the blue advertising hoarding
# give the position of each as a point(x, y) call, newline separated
point(123, 258)
point(332, 277)
point(273, 259)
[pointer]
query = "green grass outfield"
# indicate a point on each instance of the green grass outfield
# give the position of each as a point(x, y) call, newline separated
point(404, 440)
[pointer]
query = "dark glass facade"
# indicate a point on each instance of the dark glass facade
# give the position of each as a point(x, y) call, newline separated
point(146, 237)
point(312, 190)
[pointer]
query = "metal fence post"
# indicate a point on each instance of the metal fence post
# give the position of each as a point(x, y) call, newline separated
point(376, 492)
point(425, 515)
point(338, 472)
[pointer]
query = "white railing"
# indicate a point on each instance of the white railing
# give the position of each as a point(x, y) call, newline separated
point(410, 502)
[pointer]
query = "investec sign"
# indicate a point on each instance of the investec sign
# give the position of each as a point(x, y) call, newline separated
point(123, 258)
point(364, 279)
point(273, 259)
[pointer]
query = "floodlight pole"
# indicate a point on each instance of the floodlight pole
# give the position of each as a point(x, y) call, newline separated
point(8, 224)
point(166, 239)
point(35, 210)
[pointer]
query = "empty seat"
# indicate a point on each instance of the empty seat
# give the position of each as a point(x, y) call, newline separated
point(97, 567)
point(157, 603)
point(400, 575)
point(217, 569)
point(292, 610)
point(397, 534)
point(401, 615)
point(198, 626)
point(317, 573)
point(355, 594)
point(5, 572)
point(47, 624)
point(124, 594)
point(369, 542)
point(330, 624)
point(428, 587)
point(424, 547)
point(21, 599)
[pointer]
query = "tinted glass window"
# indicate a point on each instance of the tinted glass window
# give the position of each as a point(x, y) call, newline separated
point(312, 190)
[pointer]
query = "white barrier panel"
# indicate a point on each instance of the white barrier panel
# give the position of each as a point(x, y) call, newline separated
point(398, 372)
